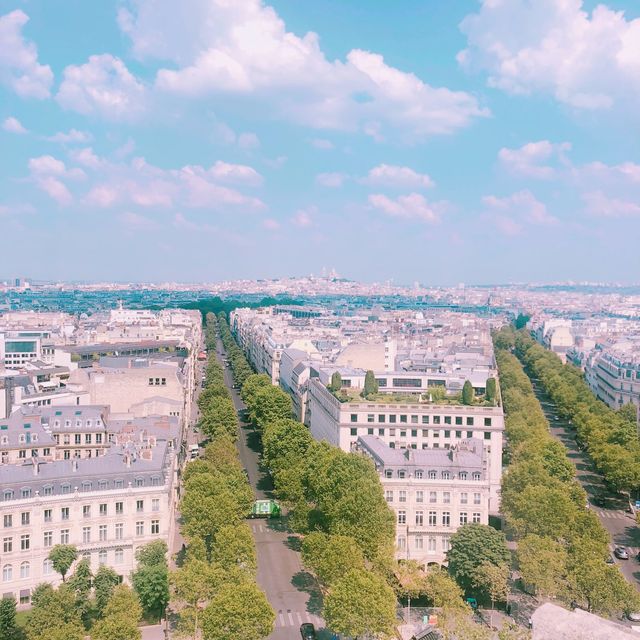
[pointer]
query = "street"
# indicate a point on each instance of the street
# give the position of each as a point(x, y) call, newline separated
point(620, 525)
point(292, 591)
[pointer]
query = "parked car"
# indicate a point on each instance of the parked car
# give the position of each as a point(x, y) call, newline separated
point(308, 631)
point(621, 553)
point(634, 616)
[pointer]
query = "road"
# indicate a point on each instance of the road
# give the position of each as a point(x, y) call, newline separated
point(291, 591)
point(620, 525)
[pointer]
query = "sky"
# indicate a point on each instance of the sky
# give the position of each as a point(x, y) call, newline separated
point(416, 141)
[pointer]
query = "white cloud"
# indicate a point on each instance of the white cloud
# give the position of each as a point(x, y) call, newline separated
point(102, 86)
point(413, 206)
point(19, 66)
point(235, 173)
point(303, 218)
point(599, 204)
point(244, 48)
point(321, 143)
point(586, 60)
point(511, 213)
point(102, 196)
point(331, 180)
point(387, 175)
point(48, 165)
point(73, 136)
point(55, 189)
point(248, 140)
point(86, 157)
point(270, 224)
point(533, 159)
point(13, 125)
point(135, 222)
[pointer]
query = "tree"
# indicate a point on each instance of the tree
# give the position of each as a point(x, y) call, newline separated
point(271, 404)
point(336, 382)
point(234, 547)
point(472, 545)
point(152, 586)
point(543, 564)
point(8, 627)
point(104, 583)
point(331, 557)
point(121, 617)
point(468, 394)
point(521, 321)
point(80, 582)
point(491, 391)
point(370, 384)
point(361, 604)
point(62, 556)
point(152, 554)
point(54, 616)
point(238, 611)
point(493, 580)
point(442, 590)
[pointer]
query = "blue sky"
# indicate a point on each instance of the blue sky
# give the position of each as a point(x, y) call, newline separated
point(430, 141)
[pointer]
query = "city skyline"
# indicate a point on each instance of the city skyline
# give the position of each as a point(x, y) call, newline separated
point(429, 143)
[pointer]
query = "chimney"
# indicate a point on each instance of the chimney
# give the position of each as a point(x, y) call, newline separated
point(36, 467)
point(74, 465)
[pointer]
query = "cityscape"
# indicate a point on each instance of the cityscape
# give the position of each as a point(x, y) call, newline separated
point(319, 321)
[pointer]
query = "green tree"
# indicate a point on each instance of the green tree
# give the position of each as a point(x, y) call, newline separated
point(234, 547)
point(361, 604)
point(543, 565)
point(8, 627)
point(442, 590)
point(152, 586)
point(468, 394)
point(152, 554)
point(54, 616)
point(473, 545)
point(336, 382)
point(62, 556)
point(370, 384)
point(494, 581)
point(521, 321)
point(121, 617)
point(81, 582)
point(491, 392)
point(238, 611)
point(331, 557)
point(104, 583)
point(271, 404)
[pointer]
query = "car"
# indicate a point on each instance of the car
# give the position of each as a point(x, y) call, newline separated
point(308, 631)
point(634, 616)
point(621, 553)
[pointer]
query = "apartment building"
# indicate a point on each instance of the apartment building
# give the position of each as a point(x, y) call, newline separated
point(107, 507)
point(613, 372)
point(406, 424)
point(432, 492)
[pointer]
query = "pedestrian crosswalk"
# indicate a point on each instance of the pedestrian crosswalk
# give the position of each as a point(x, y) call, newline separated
point(288, 618)
point(258, 527)
point(616, 515)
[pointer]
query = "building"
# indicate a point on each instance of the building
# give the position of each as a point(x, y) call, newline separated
point(107, 507)
point(432, 492)
point(407, 423)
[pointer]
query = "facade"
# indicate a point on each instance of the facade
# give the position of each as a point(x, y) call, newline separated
point(613, 373)
point(432, 492)
point(107, 507)
point(409, 425)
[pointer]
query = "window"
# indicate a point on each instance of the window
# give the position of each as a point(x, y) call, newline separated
point(403, 434)
point(432, 544)
point(7, 545)
point(139, 506)
point(8, 521)
point(477, 499)
point(7, 573)
point(388, 473)
point(414, 433)
point(25, 493)
point(415, 383)
point(102, 532)
point(139, 528)
point(48, 515)
point(47, 490)
point(402, 497)
point(98, 438)
point(419, 518)
point(155, 527)
point(433, 518)
point(401, 473)
point(487, 435)
point(433, 496)
point(25, 542)
point(388, 495)
point(25, 518)
point(487, 422)
point(382, 417)
point(119, 531)
point(48, 538)
point(419, 496)
point(425, 419)
point(419, 542)
point(446, 497)
point(139, 482)
point(432, 475)
point(402, 517)
point(354, 417)
point(64, 536)
point(370, 417)
point(403, 418)
point(445, 543)
point(414, 419)
point(353, 431)
point(447, 433)
point(446, 519)
point(65, 488)
point(462, 475)
point(103, 509)
point(47, 567)
point(155, 504)
point(436, 420)
point(476, 475)
point(102, 557)
point(119, 484)
point(119, 556)
point(458, 421)
point(469, 434)
point(445, 475)
point(25, 570)
point(370, 431)
point(64, 513)
point(87, 438)
point(86, 511)
point(463, 518)
point(476, 518)
point(418, 475)
point(458, 433)
point(464, 497)
point(380, 432)
point(119, 508)
point(393, 418)
point(469, 423)
point(401, 543)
